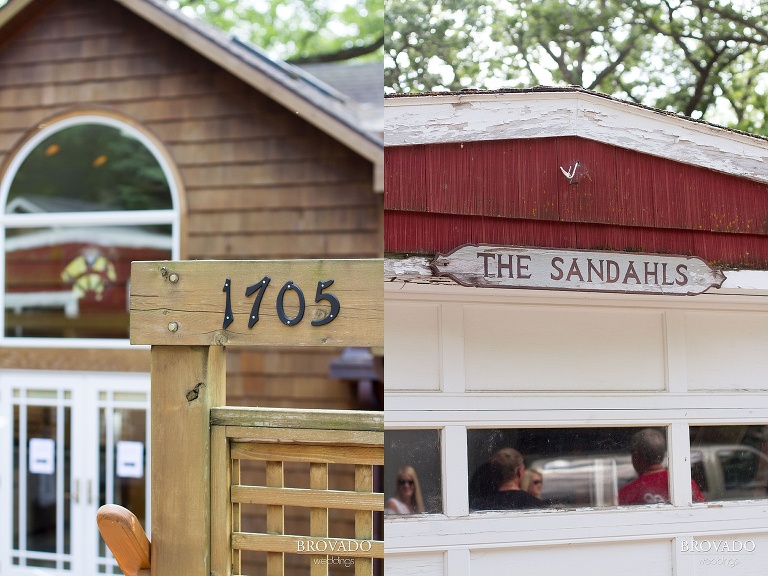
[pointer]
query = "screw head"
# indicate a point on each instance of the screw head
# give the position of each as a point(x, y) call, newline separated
point(173, 326)
point(174, 277)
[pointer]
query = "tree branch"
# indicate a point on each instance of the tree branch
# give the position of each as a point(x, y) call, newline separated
point(340, 55)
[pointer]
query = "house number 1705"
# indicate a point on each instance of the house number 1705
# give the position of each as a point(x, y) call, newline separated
point(261, 287)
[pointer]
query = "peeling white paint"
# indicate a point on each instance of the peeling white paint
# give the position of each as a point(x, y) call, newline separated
point(540, 114)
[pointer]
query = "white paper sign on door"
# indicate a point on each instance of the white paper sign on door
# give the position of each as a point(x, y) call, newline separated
point(42, 456)
point(130, 459)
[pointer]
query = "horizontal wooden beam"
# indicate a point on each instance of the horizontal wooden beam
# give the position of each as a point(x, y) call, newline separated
point(307, 498)
point(308, 545)
point(299, 418)
point(271, 452)
point(310, 436)
point(213, 303)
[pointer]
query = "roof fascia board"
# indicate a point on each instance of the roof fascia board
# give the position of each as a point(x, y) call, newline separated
point(261, 82)
point(10, 11)
point(13, 9)
point(500, 116)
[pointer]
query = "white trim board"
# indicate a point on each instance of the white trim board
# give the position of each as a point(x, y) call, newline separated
point(453, 118)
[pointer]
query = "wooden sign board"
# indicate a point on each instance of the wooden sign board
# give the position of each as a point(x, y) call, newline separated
point(258, 303)
point(490, 266)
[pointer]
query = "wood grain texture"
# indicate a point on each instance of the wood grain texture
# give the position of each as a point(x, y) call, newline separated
point(335, 420)
point(181, 455)
point(264, 435)
point(364, 518)
point(309, 497)
point(275, 517)
point(290, 543)
point(300, 453)
point(221, 508)
point(196, 303)
point(318, 516)
point(227, 138)
point(315, 436)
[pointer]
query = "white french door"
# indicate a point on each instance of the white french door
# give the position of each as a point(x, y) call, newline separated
point(69, 442)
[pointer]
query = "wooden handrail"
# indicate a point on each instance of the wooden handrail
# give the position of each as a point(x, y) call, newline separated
point(126, 539)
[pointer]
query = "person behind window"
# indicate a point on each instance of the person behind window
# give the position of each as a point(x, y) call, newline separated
point(648, 448)
point(507, 470)
point(407, 498)
point(533, 482)
point(480, 486)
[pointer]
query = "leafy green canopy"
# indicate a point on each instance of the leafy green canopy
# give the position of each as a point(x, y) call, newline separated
point(298, 30)
point(703, 58)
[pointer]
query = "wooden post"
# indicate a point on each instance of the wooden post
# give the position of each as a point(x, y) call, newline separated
point(187, 312)
point(186, 383)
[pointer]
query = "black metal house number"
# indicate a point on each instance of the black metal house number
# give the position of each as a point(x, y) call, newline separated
point(260, 289)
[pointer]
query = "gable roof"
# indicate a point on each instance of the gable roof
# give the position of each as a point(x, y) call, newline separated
point(326, 108)
point(547, 112)
point(361, 81)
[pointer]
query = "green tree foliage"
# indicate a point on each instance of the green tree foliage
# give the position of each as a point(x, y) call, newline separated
point(703, 58)
point(298, 30)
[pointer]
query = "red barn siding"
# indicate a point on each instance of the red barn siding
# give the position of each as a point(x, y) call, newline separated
point(514, 192)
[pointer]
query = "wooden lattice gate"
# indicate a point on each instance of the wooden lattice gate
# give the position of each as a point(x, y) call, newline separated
point(188, 312)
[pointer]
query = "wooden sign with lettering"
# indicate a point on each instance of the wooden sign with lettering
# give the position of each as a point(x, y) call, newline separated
point(258, 303)
point(491, 266)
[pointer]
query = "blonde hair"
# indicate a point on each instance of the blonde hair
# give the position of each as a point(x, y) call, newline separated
point(528, 477)
point(417, 503)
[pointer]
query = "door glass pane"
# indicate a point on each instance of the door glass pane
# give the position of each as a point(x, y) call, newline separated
point(72, 282)
point(123, 467)
point(730, 462)
point(89, 167)
point(41, 479)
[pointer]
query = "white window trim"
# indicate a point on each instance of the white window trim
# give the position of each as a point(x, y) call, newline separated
point(172, 217)
point(458, 534)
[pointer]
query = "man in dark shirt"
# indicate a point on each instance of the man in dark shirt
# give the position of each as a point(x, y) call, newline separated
point(507, 469)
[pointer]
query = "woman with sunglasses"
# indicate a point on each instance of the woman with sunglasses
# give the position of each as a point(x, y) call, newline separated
point(407, 498)
point(533, 482)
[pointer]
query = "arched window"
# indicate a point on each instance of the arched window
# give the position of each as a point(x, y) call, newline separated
point(82, 198)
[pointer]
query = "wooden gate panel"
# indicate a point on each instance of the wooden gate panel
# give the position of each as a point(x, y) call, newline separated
point(258, 434)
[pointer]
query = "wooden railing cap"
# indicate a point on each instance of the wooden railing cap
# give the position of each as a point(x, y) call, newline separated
point(125, 537)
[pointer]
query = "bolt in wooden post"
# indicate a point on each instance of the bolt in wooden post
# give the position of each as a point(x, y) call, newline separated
point(181, 455)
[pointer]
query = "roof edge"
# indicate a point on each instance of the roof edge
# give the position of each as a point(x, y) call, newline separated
point(551, 112)
point(234, 59)
point(186, 31)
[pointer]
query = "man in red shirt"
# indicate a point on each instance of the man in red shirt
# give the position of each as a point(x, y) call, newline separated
point(648, 448)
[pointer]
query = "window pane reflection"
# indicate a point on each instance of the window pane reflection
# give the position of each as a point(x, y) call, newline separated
point(72, 282)
point(730, 462)
point(85, 168)
point(412, 472)
point(566, 467)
